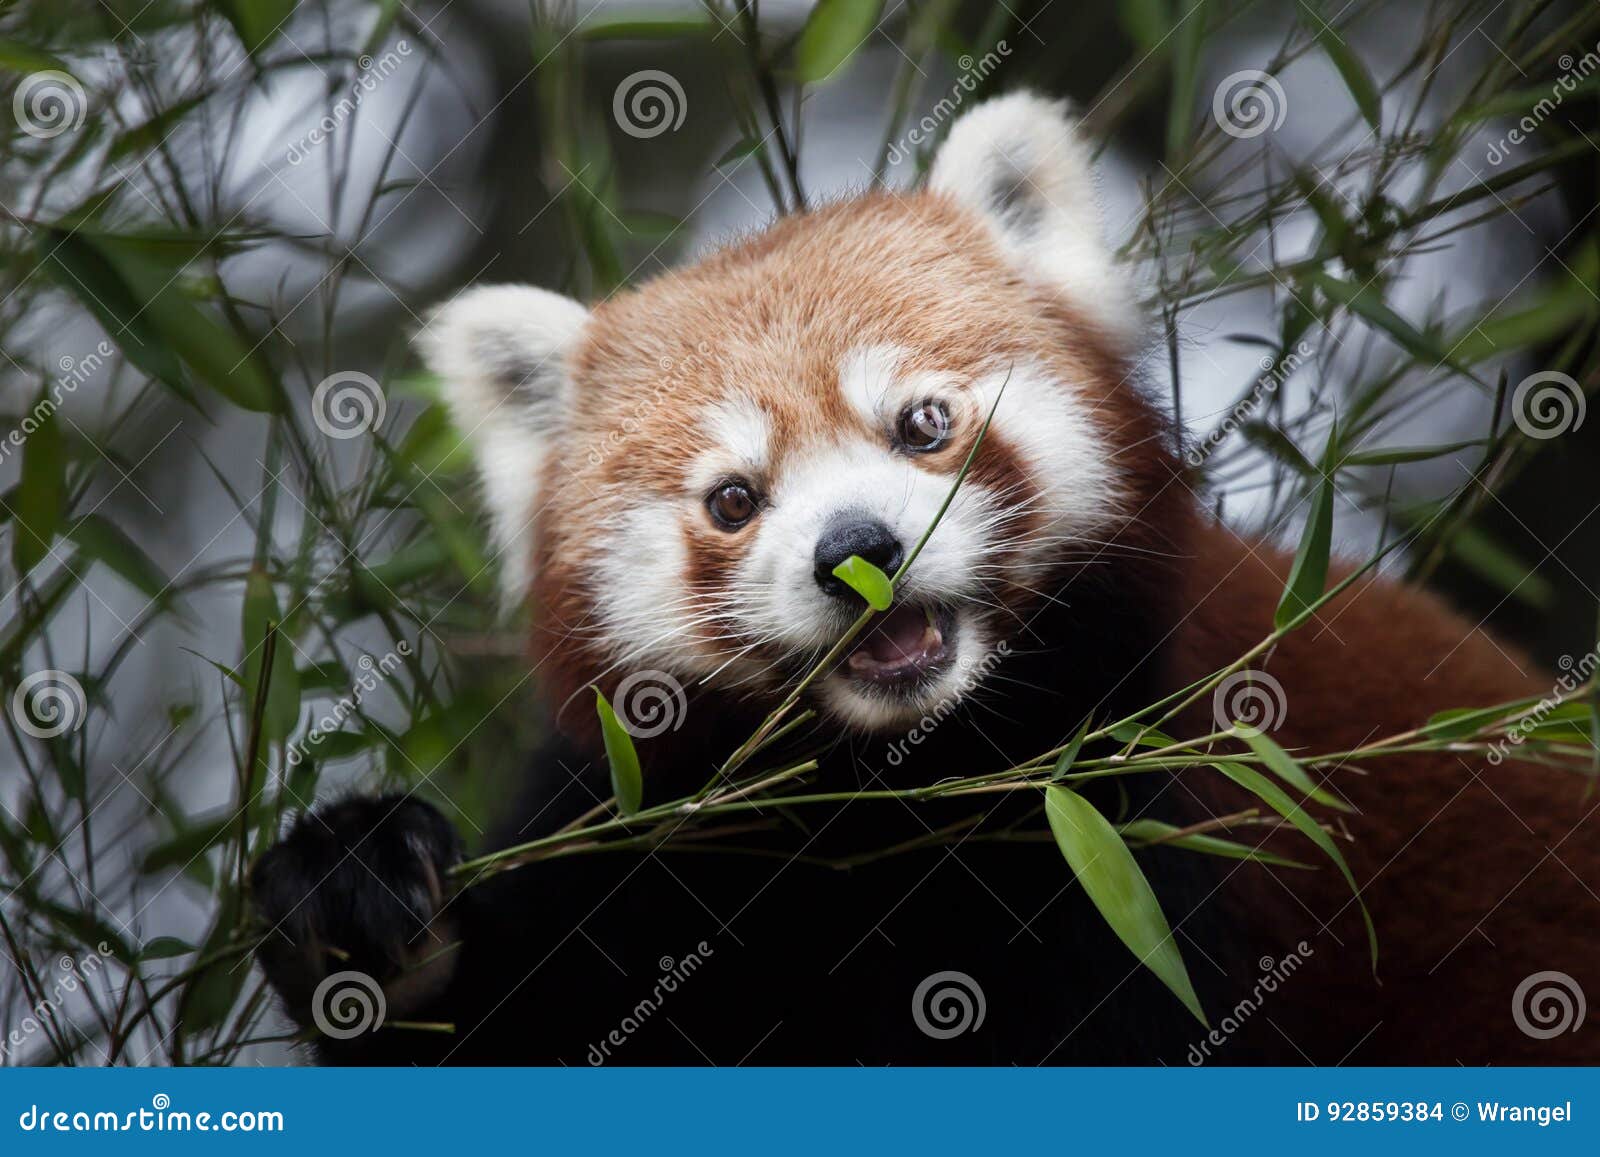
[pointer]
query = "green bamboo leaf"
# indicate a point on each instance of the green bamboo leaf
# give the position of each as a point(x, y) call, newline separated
point(1148, 832)
point(190, 842)
point(457, 537)
point(211, 992)
point(1117, 886)
point(324, 675)
point(1366, 302)
point(1287, 768)
point(867, 581)
point(833, 32)
point(1146, 21)
point(1460, 722)
point(164, 948)
point(20, 630)
point(105, 543)
point(283, 692)
point(335, 745)
point(256, 21)
point(152, 132)
point(24, 58)
point(1523, 100)
point(1185, 40)
point(627, 781)
point(1395, 455)
point(1069, 754)
point(1476, 550)
point(1335, 227)
point(84, 273)
point(1309, 573)
point(85, 928)
point(39, 494)
point(142, 304)
point(643, 24)
point(1356, 77)
point(1279, 445)
point(1540, 166)
point(738, 151)
point(1278, 800)
point(1145, 736)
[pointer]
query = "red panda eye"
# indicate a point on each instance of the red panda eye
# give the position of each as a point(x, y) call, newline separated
point(732, 505)
point(925, 427)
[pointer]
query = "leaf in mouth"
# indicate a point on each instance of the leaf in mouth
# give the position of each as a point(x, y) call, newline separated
point(867, 581)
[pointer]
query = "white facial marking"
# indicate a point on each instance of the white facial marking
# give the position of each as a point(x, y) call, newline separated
point(642, 600)
point(867, 378)
point(738, 440)
point(1053, 429)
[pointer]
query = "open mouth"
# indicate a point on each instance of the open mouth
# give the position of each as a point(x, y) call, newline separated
point(906, 645)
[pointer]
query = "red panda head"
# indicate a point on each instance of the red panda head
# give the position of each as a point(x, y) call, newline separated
point(674, 473)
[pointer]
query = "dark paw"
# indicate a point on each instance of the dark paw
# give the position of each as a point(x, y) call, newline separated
point(359, 885)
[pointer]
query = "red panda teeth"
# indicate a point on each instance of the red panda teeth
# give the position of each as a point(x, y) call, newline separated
point(906, 644)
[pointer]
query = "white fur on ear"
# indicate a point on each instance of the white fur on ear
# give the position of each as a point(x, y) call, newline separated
point(502, 351)
point(1020, 162)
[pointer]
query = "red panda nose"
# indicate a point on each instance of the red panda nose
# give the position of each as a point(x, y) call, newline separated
point(867, 537)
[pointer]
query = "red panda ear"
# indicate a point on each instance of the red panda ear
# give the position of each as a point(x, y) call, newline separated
point(1020, 162)
point(503, 352)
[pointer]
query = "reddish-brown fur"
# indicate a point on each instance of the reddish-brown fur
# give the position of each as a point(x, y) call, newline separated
point(1476, 876)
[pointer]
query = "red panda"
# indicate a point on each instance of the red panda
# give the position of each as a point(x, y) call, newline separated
point(672, 476)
